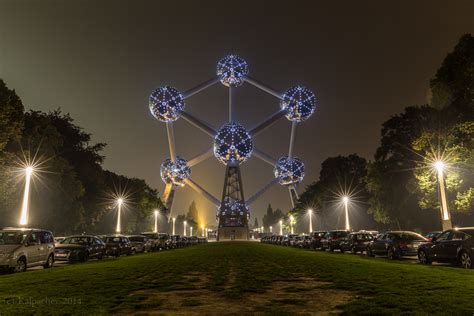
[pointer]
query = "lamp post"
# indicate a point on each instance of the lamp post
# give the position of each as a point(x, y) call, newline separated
point(291, 223)
point(445, 215)
point(271, 229)
point(281, 227)
point(26, 196)
point(118, 229)
point(310, 211)
point(184, 230)
point(156, 221)
point(345, 199)
point(174, 225)
point(190, 230)
point(202, 228)
point(262, 229)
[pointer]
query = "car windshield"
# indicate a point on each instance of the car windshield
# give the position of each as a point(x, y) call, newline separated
point(79, 240)
point(12, 238)
point(364, 237)
point(136, 238)
point(113, 240)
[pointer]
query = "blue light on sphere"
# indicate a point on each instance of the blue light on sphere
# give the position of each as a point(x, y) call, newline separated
point(231, 70)
point(289, 170)
point(299, 103)
point(175, 172)
point(165, 103)
point(232, 144)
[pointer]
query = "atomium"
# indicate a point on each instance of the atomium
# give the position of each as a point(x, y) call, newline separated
point(165, 103)
point(289, 170)
point(232, 144)
point(175, 172)
point(232, 70)
point(299, 103)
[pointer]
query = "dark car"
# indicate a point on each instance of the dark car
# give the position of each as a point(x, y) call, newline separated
point(432, 235)
point(164, 241)
point(356, 242)
point(154, 240)
point(332, 240)
point(286, 240)
point(315, 239)
point(79, 248)
point(451, 246)
point(176, 241)
point(140, 243)
point(117, 245)
point(396, 244)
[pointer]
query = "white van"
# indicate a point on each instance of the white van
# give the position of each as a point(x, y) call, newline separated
point(21, 248)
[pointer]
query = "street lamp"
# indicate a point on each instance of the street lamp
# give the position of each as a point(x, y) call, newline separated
point(446, 218)
point(345, 199)
point(262, 229)
point(202, 228)
point(190, 230)
point(174, 225)
point(281, 227)
point(271, 229)
point(291, 223)
point(310, 211)
point(156, 221)
point(118, 229)
point(26, 196)
point(184, 230)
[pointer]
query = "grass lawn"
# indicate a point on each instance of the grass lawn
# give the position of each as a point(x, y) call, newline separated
point(240, 277)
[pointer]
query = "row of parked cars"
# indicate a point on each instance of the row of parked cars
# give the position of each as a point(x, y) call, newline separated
point(21, 248)
point(454, 246)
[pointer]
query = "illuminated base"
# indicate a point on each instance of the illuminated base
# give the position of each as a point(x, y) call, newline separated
point(232, 233)
point(446, 224)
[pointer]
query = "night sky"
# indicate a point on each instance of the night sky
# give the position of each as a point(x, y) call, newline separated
point(100, 60)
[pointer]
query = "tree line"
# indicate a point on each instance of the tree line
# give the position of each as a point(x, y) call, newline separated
point(398, 189)
point(71, 192)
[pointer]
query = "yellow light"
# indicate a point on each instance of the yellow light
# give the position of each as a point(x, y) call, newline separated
point(439, 165)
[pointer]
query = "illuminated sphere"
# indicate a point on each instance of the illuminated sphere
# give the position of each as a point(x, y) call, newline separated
point(289, 170)
point(231, 70)
point(298, 103)
point(175, 172)
point(165, 103)
point(232, 144)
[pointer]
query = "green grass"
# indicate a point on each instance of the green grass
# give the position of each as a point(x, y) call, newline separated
point(234, 270)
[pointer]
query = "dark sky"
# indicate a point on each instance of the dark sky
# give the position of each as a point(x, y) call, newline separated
point(99, 61)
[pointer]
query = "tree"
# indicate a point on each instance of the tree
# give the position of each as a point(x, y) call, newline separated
point(193, 213)
point(272, 217)
point(255, 224)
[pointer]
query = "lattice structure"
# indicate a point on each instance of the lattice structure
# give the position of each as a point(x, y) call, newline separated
point(232, 145)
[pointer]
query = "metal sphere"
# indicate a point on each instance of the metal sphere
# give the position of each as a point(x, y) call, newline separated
point(299, 103)
point(289, 170)
point(232, 144)
point(231, 70)
point(175, 172)
point(165, 103)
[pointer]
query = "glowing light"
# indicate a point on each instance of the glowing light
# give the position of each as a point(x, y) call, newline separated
point(156, 221)
point(26, 196)
point(232, 144)
point(175, 172)
point(299, 103)
point(174, 225)
point(439, 165)
point(232, 70)
point(165, 104)
point(190, 230)
point(184, 230)
point(271, 229)
point(281, 227)
point(289, 170)
point(310, 212)
point(345, 200)
point(202, 228)
point(120, 202)
point(291, 223)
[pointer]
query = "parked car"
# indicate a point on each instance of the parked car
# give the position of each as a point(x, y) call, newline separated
point(176, 241)
point(294, 240)
point(79, 248)
point(154, 240)
point(140, 243)
point(21, 248)
point(432, 235)
point(164, 241)
point(117, 245)
point(356, 242)
point(286, 240)
point(396, 244)
point(305, 241)
point(316, 238)
point(332, 240)
point(452, 246)
point(57, 240)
